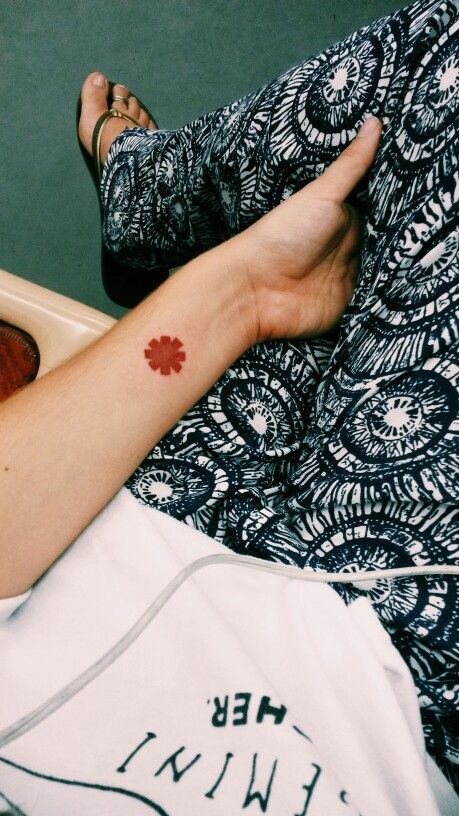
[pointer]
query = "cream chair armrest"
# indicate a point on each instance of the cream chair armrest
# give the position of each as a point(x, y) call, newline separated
point(59, 325)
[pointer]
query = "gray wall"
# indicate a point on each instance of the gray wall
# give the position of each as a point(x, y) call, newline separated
point(181, 57)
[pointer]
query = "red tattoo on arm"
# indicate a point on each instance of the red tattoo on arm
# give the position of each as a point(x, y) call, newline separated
point(165, 355)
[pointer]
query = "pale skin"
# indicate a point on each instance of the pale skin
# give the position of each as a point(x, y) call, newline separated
point(70, 440)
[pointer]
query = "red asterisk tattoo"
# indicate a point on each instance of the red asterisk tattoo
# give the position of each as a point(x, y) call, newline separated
point(165, 355)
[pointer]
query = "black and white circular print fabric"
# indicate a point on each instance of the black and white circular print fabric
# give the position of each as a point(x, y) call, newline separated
point(338, 455)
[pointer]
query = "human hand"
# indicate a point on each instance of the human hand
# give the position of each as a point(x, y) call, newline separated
point(302, 258)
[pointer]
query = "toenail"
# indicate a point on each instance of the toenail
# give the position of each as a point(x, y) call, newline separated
point(99, 80)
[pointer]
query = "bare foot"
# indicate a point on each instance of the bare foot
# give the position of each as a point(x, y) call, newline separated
point(94, 102)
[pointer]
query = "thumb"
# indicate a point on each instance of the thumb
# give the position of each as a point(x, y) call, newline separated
point(340, 178)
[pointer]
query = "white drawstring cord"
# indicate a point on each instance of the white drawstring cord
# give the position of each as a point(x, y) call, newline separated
point(33, 718)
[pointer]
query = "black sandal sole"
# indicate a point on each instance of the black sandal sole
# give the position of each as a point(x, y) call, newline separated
point(122, 283)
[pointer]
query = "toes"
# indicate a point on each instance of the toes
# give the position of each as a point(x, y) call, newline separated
point(134, 108)
point(142, 118)
point(121, 90)
point(120, 104)
point(94, 95)
point(129, 104)
point(94, 92)
point(95, 84)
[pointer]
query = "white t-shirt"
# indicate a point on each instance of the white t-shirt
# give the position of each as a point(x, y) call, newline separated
point(248, 693)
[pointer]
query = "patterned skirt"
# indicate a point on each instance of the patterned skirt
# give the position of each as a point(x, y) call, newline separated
point(338, 453)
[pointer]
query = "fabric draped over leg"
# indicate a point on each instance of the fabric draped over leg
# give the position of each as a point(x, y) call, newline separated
point(335, 454)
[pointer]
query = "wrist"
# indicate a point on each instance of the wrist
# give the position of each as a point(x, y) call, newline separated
point(221, 276)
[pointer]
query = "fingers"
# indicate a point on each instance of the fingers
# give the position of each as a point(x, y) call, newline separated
point(340, 178)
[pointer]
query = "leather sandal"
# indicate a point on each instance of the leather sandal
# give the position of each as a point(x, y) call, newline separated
point(123, 284)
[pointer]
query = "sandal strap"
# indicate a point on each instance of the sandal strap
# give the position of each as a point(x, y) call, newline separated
point(126, 116)
point(97, 134)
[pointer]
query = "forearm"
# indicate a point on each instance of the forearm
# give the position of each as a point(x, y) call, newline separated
point(70, 440)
